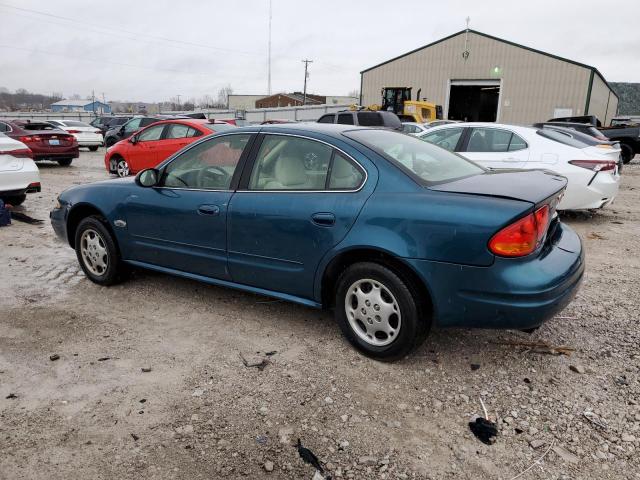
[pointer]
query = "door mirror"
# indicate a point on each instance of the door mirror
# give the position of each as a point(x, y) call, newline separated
point(133, 139)
point(148, 178)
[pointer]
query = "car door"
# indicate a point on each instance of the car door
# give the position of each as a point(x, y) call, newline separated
point(298, 198)
point(176, 136)
point(181, 224)
point(143, 149)
point(496, 148)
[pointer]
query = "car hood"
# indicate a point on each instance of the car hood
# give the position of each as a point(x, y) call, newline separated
point(529, 185)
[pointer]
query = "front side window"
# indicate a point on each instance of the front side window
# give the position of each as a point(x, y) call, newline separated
point(290, 163)
point(4, 127)
point(446, 138)
point(210, 165)
point(426, 163)
point(151, 134)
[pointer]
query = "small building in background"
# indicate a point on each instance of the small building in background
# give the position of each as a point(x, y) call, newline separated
point(479, 77)
point(81, 106)
point(243, 102)
point(294, 99)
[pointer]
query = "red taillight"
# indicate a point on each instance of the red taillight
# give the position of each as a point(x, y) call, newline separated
point(19, 153)
point(73, 131)
point(522, 237)
point(29, 138)
point(98, 131)
point(595, 165)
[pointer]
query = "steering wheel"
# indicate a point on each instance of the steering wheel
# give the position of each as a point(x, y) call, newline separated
point(214, 174)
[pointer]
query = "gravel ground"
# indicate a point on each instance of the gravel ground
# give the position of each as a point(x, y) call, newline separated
point(150, 382)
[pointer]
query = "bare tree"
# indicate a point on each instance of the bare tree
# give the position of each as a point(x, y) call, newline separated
point(223, 96)
point(206, 101)
point(354, 93)
point(75, 96)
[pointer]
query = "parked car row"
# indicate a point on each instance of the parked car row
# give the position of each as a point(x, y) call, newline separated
point(45, 141)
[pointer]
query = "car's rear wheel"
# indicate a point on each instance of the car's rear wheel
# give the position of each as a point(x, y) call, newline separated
point(121, 167)
point(93, 148)
point(65, 162)
point(97, 252)
point(15, 200)
point(627, 153)
point(379, 312)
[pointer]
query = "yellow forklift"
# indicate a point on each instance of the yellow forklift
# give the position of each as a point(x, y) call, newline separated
point(398, 100)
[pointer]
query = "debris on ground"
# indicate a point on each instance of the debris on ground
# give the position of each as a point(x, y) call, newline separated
point(258, 361)
point(595, 236)
point(54, 357)
point(11, 396)
point(484, 429)
point(309, 457)
point(594, 420)
point(475, 366)
point(104, 359)
point(135, 437)
point(145, 369)
point(542, 347)
point(577, 368)
point(23, 217)
point(268, 466)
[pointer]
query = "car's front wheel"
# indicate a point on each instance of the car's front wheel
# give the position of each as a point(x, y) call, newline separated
point(379, 312)
point(626, 153)
point(121, 167)
point(97, 251)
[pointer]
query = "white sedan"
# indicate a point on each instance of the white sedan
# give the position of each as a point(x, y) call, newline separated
point(86, 135)
point(417, 129)
point(19, 174)
point(592, 171)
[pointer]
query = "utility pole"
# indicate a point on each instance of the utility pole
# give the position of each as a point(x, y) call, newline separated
point(269, 60)
point(104, 102)
point(178, 97)
point(306, 75)
point(93, 102)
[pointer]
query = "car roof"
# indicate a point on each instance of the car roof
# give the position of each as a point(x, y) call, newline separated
point(523, 128)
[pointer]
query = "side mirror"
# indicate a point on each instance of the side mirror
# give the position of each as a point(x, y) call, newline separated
point(148, 177)
point(133, 139)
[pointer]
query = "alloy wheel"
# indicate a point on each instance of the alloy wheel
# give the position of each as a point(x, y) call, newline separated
point(122, 168)
point(94, 252)
point(373, 312)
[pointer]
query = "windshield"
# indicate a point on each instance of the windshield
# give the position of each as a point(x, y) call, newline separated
point(72, 123)
point(426, 163)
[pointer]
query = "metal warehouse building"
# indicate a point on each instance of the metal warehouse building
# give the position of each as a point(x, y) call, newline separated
point(478, 77)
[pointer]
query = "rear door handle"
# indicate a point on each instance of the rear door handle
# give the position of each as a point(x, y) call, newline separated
point(212, 210)
point(323, 219)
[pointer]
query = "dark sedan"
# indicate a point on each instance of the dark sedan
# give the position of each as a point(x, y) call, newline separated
point(395, 234)
point(43, 139)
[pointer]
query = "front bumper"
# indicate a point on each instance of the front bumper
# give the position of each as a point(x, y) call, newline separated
point(58, 217)
point(512, 293)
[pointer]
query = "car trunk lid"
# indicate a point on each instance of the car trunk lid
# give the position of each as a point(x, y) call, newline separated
point(534, 186)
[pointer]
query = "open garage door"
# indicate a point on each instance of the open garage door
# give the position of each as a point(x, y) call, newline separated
point(474, 100)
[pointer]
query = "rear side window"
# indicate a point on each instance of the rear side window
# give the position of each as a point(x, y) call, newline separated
point(345, 118)
point(327, 118)
point(344, 174)
point(177, 130)
point(370, 119)
point(4, 127)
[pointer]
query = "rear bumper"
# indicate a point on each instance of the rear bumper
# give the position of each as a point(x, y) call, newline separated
point(21, 181)
point(596, 191)
point(98, 142)
point(46, 154)
point(511, 293)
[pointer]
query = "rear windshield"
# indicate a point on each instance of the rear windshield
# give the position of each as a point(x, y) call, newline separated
point(117, 121)
point(38, 126)
point(426, 163)
point(561, 137)
point(219, 127)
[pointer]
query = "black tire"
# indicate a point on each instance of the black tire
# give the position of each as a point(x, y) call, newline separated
point(110, 142)
point(93, 149)
point(114, 270)
point(65, 162)
point(627, 153)
point(412, 322)
point(15, 200)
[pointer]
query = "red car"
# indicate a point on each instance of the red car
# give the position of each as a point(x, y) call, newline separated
point(45, 141)
point(156, 142)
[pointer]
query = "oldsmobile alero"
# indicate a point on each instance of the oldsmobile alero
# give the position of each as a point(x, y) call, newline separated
point(396, 235)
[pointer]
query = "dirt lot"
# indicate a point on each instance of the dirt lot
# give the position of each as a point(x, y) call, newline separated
point(200, 413)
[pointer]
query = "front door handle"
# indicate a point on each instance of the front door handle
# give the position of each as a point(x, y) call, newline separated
point(211, 210)
point(323, 219)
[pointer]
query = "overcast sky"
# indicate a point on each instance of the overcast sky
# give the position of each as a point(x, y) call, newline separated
point(153, 50)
